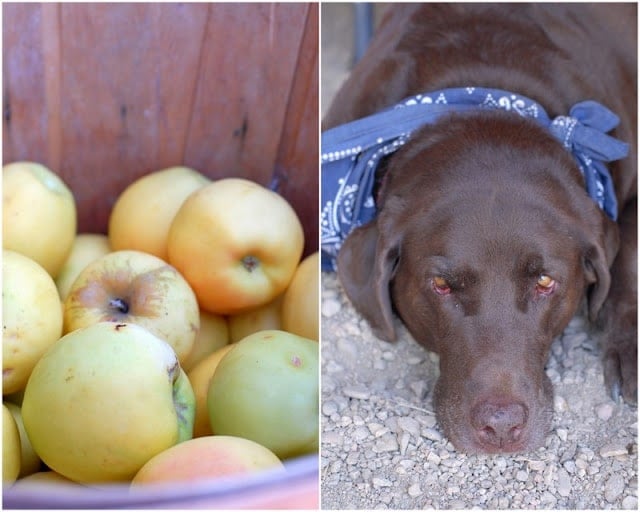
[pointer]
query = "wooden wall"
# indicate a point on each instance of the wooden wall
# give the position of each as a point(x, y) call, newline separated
point(104, 93)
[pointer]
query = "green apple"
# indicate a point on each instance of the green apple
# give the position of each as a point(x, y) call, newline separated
point(135, 287)
point(31, 318)
point(104, 400)
point(266, 390)
point(30, 462)
point(10, 447)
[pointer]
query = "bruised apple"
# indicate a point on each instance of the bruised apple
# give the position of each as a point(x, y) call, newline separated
point(206, 457)
point(104, 400)
point(141, 217)
point(237, 243)
point(38, 214)
point(136, 287)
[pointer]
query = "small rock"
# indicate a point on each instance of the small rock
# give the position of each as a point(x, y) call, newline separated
point(330, 307)
point(562, 433)
point(381, 482)
point(560, 404)
point(564, 483)
point(630, 503)
point(414, 490)
point(522, 475)
point(413, 360)
point(432, 434)
point(329, 408)
point(360, 434)
point(409, 425)
point(347, 347)
point(387, 355)
point(358, 392)
point(570, 467)
point(386, 443)
point(604, 411)
point(613, 450)
point(433, 458)
point(537, 465)
point(613, 488)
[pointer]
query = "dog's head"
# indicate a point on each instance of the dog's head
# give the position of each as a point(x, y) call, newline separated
point(484, 245)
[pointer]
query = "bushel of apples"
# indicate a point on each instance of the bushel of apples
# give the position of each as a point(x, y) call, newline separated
point(181, 345)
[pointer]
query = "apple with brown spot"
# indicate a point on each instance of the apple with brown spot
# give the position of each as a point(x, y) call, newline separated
point(135, 287)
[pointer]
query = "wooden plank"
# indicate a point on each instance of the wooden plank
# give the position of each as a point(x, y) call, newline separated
point(296, 169)
point(245, 80)
point(128, 78)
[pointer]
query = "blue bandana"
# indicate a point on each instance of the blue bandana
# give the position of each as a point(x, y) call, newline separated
point(352, 151)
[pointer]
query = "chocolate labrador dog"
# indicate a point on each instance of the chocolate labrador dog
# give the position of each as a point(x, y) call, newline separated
point(485, 241)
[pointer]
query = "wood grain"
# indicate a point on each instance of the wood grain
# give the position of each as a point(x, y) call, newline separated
point(104, 93)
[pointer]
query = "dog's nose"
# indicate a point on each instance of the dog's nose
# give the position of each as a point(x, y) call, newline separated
point(499, 425)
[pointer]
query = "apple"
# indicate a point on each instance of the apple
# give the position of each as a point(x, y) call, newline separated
point(86, 248)
point(38, 214)
point(141, 217)
point(206, 457)
point(136, 287)
point(237, 243)
point(35, 481)
point(262, 318)
point(212, 335)
point(200, 377)
point(10, 447)
point(300, 304)
point(31, 318)
point(104, 400)
point(30, 462)
point(266, 390)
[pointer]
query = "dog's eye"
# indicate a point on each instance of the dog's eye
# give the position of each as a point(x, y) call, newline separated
point(545, 284)
point(440, 285)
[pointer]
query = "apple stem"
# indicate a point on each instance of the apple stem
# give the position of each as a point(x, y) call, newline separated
point(119, 305)
point(250, 263)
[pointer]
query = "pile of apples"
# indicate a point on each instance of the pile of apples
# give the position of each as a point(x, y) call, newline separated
point(181, 345)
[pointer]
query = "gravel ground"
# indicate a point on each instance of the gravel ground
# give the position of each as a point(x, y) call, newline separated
point(382, 448)
point(381, 445)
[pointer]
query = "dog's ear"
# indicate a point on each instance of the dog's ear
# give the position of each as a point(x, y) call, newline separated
point(366, 262)
point(598, 258)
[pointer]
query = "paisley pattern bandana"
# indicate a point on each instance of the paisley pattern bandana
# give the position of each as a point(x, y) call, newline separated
point(351, 152)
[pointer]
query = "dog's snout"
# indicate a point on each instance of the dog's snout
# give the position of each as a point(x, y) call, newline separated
point(499, 425)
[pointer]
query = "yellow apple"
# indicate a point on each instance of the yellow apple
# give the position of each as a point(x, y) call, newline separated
point(38, 214)
point(237, 243)
point(143, 212)
point(104, 400)
point(35, 481)
point(206, 457)
point(261, 318)
point(29, 460)
point(31, 318)
point(10, 447)
point(212, 335)
point(199, 377)
point(136, 287)
point(300, 306)
point(86, 248)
